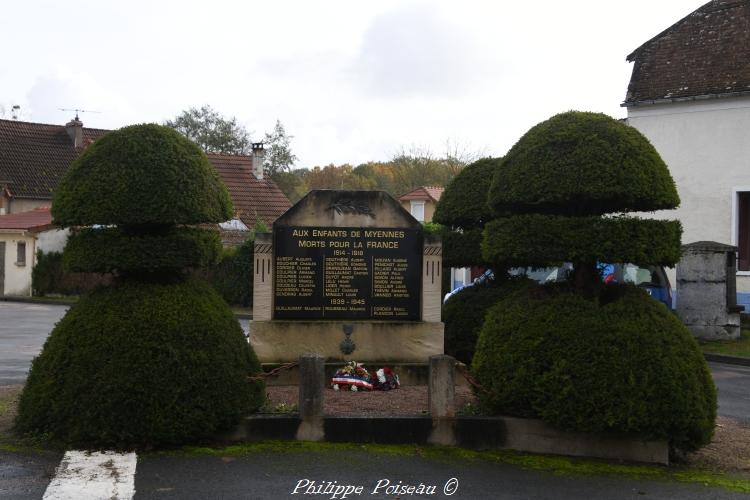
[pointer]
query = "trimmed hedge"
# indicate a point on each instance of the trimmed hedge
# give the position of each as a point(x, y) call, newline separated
point(233, 276)
point(463, 249)
point(142, 174)
point(48, 277)
point(464, 313)
point(546, 240)
point(579, 163)
point(141, 365)
point(626, 367)
point(105, 250)
point(463, 204)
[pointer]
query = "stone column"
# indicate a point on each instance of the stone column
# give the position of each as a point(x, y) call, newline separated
point(263, 278)
point(311, 394)
point(432, 277)
point(706, 290)
point(441, 397)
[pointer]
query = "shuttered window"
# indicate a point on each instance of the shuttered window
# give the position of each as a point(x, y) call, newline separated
point(743, 230)
point(21, 253)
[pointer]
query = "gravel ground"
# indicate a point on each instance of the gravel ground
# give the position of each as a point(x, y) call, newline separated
point(729, 450)
point(410, 400)
point(8, 405)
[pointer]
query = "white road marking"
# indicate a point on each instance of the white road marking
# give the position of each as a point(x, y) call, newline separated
point(84, 475)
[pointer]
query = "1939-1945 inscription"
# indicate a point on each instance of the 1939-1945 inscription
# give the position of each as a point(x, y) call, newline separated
point(347, 273)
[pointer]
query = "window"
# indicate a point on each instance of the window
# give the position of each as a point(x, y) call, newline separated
point(417, 210)
point(21, 253)
point(743, 230)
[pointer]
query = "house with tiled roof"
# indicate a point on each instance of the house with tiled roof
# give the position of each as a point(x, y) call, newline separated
point(21, 235)
point(421, 202)
point(33, 159)
point(254, 195)
point(689, 94)
point(35, 156)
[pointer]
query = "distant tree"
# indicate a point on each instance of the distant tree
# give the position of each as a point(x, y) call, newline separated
point(212, 132)
point(292, 184)
point(418, 167)
point(458, 155)
point(279, 156)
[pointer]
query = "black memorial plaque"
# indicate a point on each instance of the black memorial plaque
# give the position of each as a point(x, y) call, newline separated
point(347, 273)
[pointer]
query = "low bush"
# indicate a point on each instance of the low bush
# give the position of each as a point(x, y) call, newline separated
point(627, 366)
point(139, 364)
point(232, 276)
point(49, 277)
point(463, 316)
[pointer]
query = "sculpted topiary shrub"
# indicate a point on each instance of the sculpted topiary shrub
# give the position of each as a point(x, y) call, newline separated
point(586, 356)
point(463, 209)
point(157, 357)
point(556, 183)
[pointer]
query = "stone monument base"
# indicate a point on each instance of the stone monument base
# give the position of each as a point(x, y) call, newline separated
point(408, 342)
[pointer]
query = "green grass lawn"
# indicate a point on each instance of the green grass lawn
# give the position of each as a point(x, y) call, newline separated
point(739, 347)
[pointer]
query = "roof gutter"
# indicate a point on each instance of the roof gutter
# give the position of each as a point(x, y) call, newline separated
point(704, 97)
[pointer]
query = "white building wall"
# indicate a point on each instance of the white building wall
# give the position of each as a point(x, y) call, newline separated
point(17, 278)
point(706, 145)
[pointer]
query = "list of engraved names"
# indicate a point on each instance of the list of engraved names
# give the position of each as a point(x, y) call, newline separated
point(347, 273)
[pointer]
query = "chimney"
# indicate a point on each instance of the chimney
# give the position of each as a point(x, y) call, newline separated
point(75, 131)
point(259, 156)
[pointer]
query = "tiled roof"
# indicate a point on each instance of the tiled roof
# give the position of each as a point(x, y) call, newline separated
point(37, 219)
point(34, 156)
point(706, 54)
point(423, 193)
point(262, 200)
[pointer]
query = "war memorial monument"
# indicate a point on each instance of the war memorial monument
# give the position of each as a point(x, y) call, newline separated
point(347, 275)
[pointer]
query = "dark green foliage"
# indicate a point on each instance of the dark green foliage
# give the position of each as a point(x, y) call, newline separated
point(463, 204)
point(105, 250)
point(141, 365)
point(158, 358)
point(463, 316)
point(232, 277)
point(626, 366)
point(547, 240)
point(142, 174)
point(462, 249)
point(463, 207)
point(580, 163)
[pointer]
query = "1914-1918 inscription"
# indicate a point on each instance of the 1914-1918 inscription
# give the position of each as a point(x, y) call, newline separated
point(347, 273)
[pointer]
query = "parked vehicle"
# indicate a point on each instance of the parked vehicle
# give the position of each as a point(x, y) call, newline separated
point(652, 279)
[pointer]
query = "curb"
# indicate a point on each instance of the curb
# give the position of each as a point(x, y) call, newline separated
point(527, 435)
point(729, 360)
point(52, 302)
point(33, 300)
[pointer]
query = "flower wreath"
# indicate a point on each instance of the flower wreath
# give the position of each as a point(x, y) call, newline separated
point(355, 376)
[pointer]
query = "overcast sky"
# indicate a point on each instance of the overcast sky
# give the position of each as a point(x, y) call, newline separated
point(352, 81)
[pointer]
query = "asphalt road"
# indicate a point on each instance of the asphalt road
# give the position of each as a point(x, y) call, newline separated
point(260, 476)
point(24, 328)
